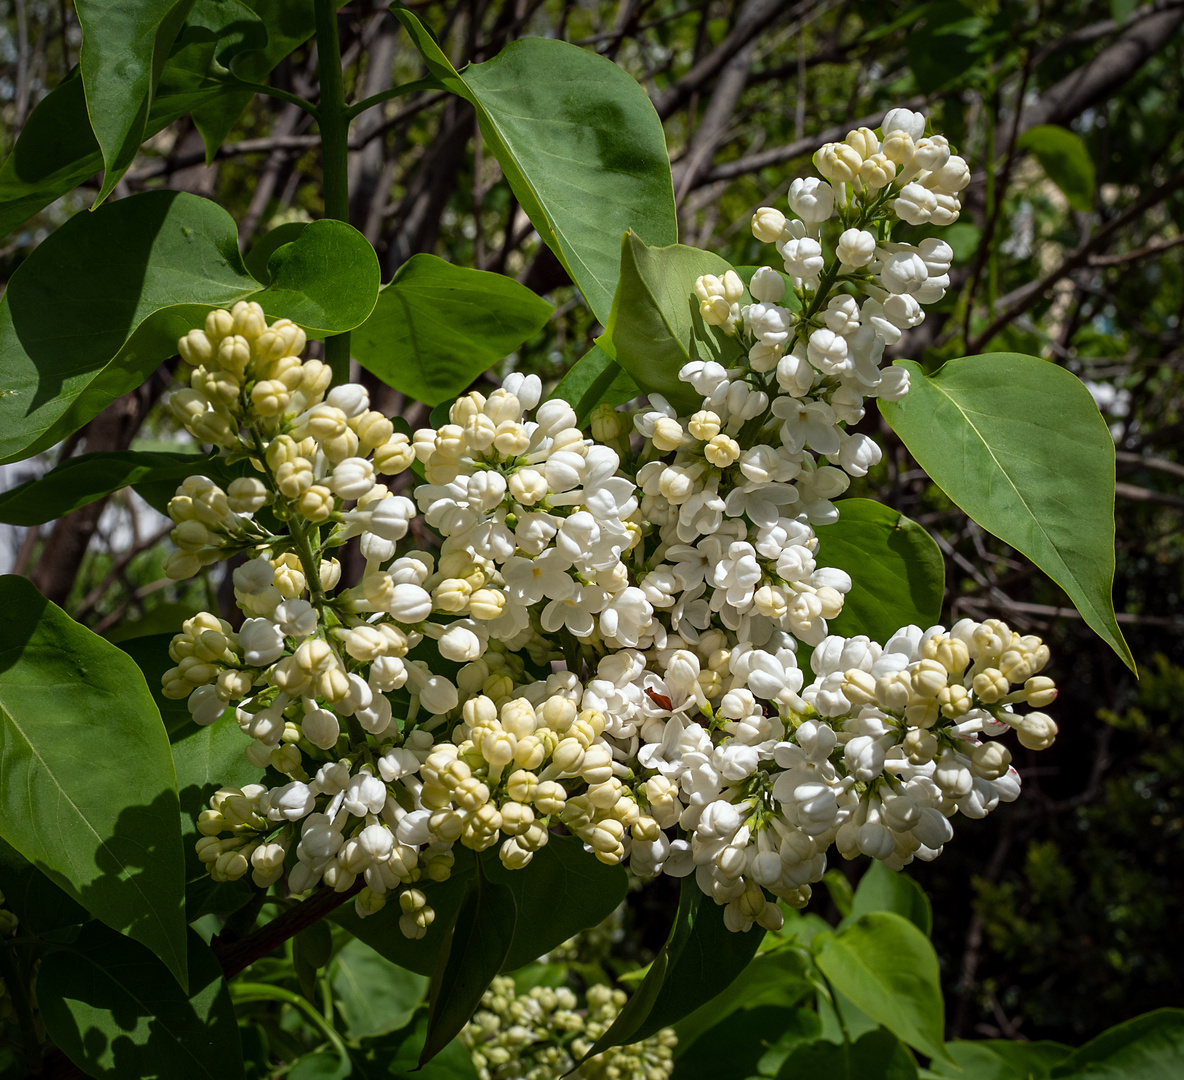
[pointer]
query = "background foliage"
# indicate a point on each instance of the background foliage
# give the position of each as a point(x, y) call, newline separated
point(1054, 919)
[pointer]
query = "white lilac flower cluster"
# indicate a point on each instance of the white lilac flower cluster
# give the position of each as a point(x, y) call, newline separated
point(541, 1034)
point(594, 633)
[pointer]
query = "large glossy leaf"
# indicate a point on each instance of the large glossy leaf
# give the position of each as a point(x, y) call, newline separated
point(384, 936)
point(655, 326)
point(881, 889)
point(562, 891)
point(738, 1045)
point(1149, 1047)
point(478, 942)
point(396, 1057)
point(775, 979)
point(876, 1055)
point(101, 302)
point(701, 958)
point(39, 904)
point(595, 379)
point(579, 143)
point(124, 48)
point(888, 969)
point(375, 996)
point(115, 1011)
point(89, 794)
point(437, 326)
point(1019, 444)
point(1065, 159)
point(83, 479)
point(897, 572)
point(999, 1059)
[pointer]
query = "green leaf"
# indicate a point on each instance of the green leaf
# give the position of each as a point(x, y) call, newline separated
point(478, 942)
point(887, 968)
point(289, 23)
point(436, 327)
point(874, 1056)
point(396, 1057)
point(897, 572)
point(89, 794)
point(375, 996)
point(83, 479)
point(562, 891)
point(655, 326)
point(595, 379)
point(115, 1011)
point(579, 143)
point(72, 339)
point(151, 655)
point(881, 889)
point(124, 48)
point(385, 937)
point(57, 149)
point(1019, 444)
point(257, 258)
point(998, 1059)
point(700, 959)
point(39, 904)
point(1065, 159)
point(1149, 1047)
point(735, 1046)
point(772, 978)
point(312, 948)
point(942, 48)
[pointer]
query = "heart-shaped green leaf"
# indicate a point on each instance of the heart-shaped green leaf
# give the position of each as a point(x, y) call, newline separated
point(595, 379)
point(97, 306)
point(437, 326)
point(1019, 444)
point(897, 572)
point(89, 794)
point(115, 1011)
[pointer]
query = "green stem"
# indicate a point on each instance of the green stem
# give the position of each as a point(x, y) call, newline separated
point(834, 1004)
point(387, 95)
point(15, 982)
point(273, 91)
point(247, 992)
point(311, 562)
point(334, 123)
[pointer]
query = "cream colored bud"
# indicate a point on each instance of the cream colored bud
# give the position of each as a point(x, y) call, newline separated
point(768, 224)
point(722, 451)
point(1037, 731)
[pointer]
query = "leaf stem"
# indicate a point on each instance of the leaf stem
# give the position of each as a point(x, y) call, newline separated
point(388, 95)
point(333, 119)
point(242, 993)
point(275, 92)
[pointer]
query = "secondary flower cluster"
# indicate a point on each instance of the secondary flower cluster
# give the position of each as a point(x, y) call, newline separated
point(599, 633)
point(543, 1033)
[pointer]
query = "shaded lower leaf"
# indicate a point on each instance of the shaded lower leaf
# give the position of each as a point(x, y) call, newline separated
point(116, 1011)
point(39, 904)
point(700, 959)
point(874, 1056)
point(82, 743)
point(375, 996)
point(478, 942)
point(1000, 1059)
point(882, 889)
point(737, 1045)
point(897, 570)
point(772, 978)
point(562, 891)
point(397, 1056)
point(1149, 1047)
point(888, 969)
